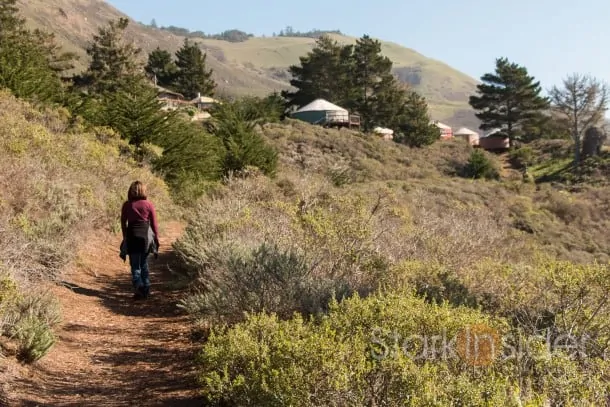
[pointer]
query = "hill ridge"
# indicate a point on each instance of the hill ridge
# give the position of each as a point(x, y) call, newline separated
point(259, 65)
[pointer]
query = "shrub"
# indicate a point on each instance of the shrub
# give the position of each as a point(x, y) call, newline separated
point(265, 279)
point(479, 166)
point(390, 349)
point(345, 359)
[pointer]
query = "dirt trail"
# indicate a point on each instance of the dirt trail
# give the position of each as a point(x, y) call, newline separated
point(113, 350)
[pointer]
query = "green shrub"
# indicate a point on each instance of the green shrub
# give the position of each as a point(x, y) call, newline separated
point(480, 166)
point(337, 361)
point(523, 157)
point(391, 349)
point(35, 339)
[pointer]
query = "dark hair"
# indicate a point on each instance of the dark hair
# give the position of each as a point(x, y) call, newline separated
point(137, 190)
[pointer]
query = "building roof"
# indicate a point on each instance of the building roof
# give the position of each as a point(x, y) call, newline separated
point(204, 99)
point(321, 105)
point(466, 132)
point(441, 125)
point(383, 130)
point(161, 89)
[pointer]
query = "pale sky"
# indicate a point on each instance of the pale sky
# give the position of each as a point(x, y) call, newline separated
point(552, 38)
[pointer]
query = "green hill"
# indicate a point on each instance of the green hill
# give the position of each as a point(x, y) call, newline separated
point(258, 65)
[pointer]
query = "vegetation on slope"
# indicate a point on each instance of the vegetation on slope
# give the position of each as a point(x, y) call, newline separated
point(350, 216)
point(59, 184)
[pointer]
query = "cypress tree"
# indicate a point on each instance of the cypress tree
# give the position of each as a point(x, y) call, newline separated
point(322, 73)
point(161, 66)
point(508, 99)
point(27, 58)
point(415, 129)
point(193, 77)
point(113, 59)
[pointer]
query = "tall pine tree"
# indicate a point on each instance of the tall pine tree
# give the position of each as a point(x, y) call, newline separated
point(27, 59)
point(161, 66)
point(323, 73)
point(193, 77)
point(508, 99)
point(371, 78)
point(114, 60)
point(135, 112)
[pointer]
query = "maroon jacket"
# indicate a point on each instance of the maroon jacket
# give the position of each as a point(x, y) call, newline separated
point(138, 211)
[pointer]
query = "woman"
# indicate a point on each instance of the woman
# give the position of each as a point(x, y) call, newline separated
point(140, 236)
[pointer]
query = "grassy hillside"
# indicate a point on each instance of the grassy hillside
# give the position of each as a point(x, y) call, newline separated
point(58, 185)
point(257, 66)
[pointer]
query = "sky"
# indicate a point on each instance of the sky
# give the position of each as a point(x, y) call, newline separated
point(551, 38)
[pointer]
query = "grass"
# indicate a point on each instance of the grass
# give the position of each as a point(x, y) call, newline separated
point(250, 67)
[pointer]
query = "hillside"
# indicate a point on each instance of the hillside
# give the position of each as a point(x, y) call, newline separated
point(258, 65)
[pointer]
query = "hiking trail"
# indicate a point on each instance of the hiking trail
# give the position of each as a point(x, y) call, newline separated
point(112, 350)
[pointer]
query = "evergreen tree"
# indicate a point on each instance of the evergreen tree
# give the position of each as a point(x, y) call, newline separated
point(135, 112)
point(322, 73)
point(415, 128)
point(508, 99)
point(161, 66)
point(113, 59)
point(243, 146)
point(371, 78)
point(27, 58)
point(193, 77)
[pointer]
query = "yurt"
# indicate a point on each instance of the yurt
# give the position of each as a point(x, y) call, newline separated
point(318, 112)
point(472, 137)
point(446, 131)
point(495, 140)
point(386, 134)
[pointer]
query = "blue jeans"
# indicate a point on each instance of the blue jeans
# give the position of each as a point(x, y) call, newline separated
point(139, 270)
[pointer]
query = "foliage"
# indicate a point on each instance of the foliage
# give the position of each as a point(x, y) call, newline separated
point(134, 112)
point(583, 102)
point(192, 77)
point(234, 125)
point(191, 158)
point(29, 60)
point(114, 60)
point(370, 352)
point(360, 78)
point(315, 33)
point(233, 35)
point(479, 166)
point(322, 73)
point(415, 128)
point(161, 66)
point(508, 99)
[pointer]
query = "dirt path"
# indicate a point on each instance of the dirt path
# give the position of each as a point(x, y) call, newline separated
point(113, 350)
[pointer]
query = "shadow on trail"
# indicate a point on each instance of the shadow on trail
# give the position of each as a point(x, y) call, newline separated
point(117, 293)
point(147, 363)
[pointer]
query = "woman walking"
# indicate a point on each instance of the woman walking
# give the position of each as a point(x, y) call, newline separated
point(140, 236)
